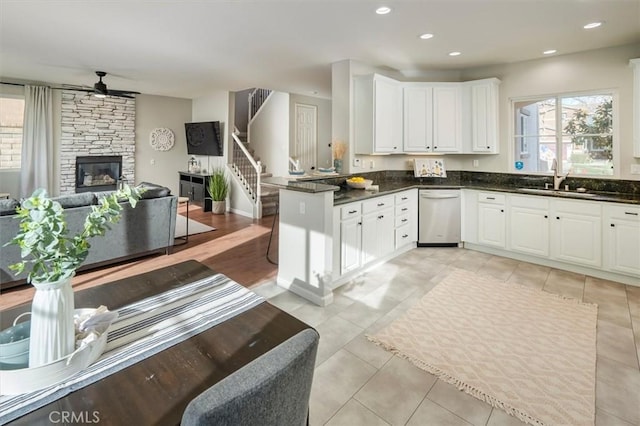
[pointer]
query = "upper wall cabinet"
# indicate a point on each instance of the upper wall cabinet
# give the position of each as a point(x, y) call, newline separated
point(394, 118)
point(432, 117)
point(635, 64)
point(377, 115)
point(481, 116)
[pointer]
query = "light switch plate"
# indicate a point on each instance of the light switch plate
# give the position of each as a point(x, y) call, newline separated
point(635, 169)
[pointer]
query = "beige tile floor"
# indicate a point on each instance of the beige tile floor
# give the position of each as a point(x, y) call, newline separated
point(359, 383)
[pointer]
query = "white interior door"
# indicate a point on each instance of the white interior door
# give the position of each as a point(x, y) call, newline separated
point(306, 141)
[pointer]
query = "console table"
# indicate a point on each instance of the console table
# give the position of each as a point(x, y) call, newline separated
point(195, 186)
point(157, 389)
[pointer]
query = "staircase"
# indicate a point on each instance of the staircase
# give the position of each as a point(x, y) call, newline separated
point(247, 166)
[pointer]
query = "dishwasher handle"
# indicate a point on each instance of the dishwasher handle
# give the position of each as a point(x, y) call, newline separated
point(439, 196)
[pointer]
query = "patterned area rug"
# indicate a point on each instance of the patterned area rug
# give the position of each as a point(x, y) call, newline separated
point(528, 352)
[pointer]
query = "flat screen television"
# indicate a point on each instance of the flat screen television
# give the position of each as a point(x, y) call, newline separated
point(204, 138)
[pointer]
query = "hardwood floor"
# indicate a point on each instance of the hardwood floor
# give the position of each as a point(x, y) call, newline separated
point(237, 248)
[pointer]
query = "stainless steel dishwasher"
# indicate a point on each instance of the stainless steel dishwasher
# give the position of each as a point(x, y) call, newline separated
point(438, 217)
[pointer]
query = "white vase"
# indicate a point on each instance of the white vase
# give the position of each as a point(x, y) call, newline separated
point(219, 207)
point(52, 330)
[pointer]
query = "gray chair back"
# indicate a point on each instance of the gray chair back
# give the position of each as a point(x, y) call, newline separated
point(273, 389)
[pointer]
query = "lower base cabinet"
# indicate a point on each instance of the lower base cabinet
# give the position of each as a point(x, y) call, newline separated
point(621, 232)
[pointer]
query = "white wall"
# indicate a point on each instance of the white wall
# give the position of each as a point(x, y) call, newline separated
point(586, 71)
point(323, 150)
point(269, 133)
point(161, 167)
point(213, 106)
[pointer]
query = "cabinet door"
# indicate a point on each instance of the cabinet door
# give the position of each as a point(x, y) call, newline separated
point(576, 238)
point(529, 231)
point(350, 244)
point(198, 191)
point(388, 116)
point(484, 117)
point(385, 230)
point(491, 225)
point(418, 119)
point(622, 239)
point(447, 118)
point(185, 189)
point(370, 247)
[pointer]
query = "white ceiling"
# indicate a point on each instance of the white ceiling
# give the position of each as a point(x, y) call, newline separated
point(187, 48)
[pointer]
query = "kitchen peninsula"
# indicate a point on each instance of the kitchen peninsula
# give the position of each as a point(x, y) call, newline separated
point(329, 234)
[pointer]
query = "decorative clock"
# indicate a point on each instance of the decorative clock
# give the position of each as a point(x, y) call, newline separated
point(161, 139)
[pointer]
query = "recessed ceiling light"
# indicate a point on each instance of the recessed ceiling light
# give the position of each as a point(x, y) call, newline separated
point(549, 52)
point(383, 10)
point(592, 25)
point(426, 36)
point(455, 54)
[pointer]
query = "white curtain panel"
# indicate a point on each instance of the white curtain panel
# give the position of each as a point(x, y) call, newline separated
point(37, 141)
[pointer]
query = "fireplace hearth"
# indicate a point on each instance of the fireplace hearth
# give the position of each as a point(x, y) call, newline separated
point(98, 172)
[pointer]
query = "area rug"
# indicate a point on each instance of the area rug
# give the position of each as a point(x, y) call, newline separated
point(528, 352)
point(194, 227)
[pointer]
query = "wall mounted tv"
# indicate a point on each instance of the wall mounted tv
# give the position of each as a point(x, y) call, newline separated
point(204, 138)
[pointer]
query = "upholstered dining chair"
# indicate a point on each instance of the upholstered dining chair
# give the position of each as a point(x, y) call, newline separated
point(273, 389)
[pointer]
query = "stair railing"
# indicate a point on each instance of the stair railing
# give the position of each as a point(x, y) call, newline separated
point(256, 98)
point(246, 168)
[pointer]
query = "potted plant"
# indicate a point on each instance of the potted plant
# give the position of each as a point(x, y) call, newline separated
point(51, 257)
point(218, 189)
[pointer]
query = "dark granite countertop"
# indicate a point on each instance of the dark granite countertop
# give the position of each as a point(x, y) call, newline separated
point(526, 186)
point(298, 185)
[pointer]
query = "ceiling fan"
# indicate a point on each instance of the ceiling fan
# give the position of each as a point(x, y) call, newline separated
point(100, 89)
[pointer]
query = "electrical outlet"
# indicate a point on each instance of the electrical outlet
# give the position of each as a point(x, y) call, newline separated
point(153, 162)
point(302, 207)
point(476, 163)
point(635, 169)
point(372, 164)
point(356, 162)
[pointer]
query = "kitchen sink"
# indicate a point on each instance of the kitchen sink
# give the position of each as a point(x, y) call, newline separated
point(555, 193)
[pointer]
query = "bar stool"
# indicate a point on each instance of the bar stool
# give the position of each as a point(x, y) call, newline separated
point(185, 200)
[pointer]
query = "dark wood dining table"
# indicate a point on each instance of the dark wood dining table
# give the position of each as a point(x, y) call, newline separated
point(156, 390)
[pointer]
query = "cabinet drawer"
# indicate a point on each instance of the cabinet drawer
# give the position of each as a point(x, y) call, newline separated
point(350, 210)
point(376, 204)
point(404, 209)
point(491, 198)
point(401, 220)
point(402, 198)
point(623, 212)
point(403, 236)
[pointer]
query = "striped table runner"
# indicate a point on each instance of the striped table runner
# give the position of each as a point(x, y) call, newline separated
point(143, 329)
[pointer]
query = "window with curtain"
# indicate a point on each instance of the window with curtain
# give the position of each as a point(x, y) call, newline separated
point(576, 130)
point(11, 126)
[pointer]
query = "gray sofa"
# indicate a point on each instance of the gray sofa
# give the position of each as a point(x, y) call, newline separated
point(148, 228)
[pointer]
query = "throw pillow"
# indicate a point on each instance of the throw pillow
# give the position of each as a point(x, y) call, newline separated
point(8, 207)
point(76, 200)
point(153, 191)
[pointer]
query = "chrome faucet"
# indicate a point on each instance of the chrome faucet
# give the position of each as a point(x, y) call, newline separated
point(557, 179)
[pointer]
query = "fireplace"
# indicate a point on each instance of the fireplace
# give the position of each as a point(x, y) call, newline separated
point(98, 172)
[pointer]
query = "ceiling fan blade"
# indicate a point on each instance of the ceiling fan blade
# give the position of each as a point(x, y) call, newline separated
point(121, 92)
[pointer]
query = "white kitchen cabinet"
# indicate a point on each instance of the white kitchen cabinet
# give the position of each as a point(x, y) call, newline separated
point(528, 230)
point(622, 239)
point(406, 218)
point(483, 116)
point(377, 115)
point(447, 118)
point(635, 64)
point(491, 219)
point(418, 118)
point(350, 237)
point(378, 237)
point(432, 117)
point(576, 232)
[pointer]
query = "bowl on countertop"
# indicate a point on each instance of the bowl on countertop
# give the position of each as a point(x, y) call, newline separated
point(296, 172)
point(364, 184)
point(14, 345)
point(326, 170)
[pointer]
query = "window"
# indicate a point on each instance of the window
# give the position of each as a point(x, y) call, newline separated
point(577, 131)
point(11, 122)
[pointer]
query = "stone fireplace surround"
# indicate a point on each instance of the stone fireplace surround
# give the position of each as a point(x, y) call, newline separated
point(93, 126)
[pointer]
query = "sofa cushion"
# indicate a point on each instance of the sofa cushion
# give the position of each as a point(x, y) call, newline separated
point(153, 190)
point(8, 206)
point(76, 200)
